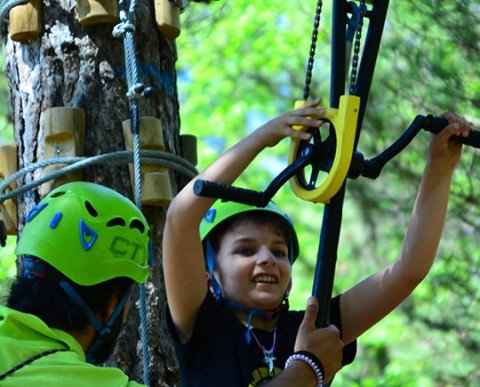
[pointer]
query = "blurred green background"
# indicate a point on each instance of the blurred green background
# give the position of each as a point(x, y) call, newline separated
point(241, 63)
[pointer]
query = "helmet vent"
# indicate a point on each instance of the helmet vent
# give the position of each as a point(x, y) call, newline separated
point(92, 211)
point(138, 225)
point(116, 222)
point(57, 194)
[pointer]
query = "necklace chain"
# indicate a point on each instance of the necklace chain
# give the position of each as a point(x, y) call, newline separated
point(268, 354)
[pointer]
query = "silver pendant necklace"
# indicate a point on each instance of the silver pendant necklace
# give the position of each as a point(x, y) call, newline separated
point(268, 354)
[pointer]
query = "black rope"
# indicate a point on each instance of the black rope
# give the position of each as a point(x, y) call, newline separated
point(28, 361)
point(313, 47)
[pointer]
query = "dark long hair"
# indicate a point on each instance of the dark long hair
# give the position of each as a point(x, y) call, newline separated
point(40, 294)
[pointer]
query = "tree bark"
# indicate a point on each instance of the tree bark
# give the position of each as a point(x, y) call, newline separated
point(83, 67)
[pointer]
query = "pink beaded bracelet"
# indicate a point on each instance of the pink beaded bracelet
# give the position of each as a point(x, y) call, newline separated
point(304, 356)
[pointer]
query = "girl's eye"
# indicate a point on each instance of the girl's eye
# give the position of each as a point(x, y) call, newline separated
point(246, 251)
point(280, 253)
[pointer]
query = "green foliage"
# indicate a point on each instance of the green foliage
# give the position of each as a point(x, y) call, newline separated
point(242, 62)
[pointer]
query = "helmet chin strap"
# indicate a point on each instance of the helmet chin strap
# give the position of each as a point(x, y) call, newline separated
point(102, 330)
point(267, 314)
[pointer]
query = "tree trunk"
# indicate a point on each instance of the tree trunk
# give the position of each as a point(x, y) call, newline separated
point(70, 65)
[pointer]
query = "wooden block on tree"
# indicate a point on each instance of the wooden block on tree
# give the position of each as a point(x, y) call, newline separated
point(156, 189)
point(8, 209)
point(151, 134)
point(64, 136)
point(167, 18)
point(92, 12)
point(26, 21)
point(156, 186)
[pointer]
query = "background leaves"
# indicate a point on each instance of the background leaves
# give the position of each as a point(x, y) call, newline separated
point(242, 63)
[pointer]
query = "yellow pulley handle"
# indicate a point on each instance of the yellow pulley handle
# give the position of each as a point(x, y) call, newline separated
point(344, 122)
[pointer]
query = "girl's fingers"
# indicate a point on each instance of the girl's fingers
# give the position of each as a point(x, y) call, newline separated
point(458, 124)
point(310, 111)
point(314, 102)
point(300, 134)
point(304, 121)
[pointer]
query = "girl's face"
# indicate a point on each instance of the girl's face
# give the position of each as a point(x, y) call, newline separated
point(252, 265)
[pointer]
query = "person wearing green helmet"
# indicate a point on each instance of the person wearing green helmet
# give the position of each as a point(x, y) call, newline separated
point(83, 248)
point(241, 332)
point(227, 270)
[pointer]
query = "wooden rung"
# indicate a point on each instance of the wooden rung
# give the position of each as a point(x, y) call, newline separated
point(8, 209)
point(63, 123)
point(167, 18)
point(151, 134)
point(156, 189)
point(26, 21)
point(64, 134)
point(156, 186)
point(97, 12)
point(8, 162)
point(8, 214)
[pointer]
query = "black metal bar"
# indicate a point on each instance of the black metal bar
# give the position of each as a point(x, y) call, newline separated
point(373, 167)
point(377, 17)
point(250, 197)
point(332, 215)
point(327, 256)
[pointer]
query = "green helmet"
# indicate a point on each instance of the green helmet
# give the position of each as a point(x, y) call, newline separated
point(222, 211)
point(89, 233)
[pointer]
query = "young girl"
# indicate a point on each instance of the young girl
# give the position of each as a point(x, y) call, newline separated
point(241, 333)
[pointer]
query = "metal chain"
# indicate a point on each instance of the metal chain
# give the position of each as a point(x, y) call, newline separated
point(313, 47)
point(356, 47)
